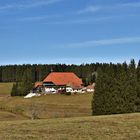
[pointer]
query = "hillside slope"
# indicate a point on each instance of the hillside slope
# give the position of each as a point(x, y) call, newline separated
point(51, 106)
point(114, 127)
point(8, 116)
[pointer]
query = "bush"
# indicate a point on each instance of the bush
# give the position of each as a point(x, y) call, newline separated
point(68, 93)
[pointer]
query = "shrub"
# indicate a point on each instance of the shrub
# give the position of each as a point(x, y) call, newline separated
point(68, 93)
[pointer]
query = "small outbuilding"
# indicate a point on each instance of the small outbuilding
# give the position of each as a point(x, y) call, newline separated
point(38, 87)
point(90, 88)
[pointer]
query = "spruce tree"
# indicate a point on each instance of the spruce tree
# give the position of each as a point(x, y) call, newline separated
point(26, 83)
point(117, 89)
point(131, 93)
point(102, 100)
point(14, 91)
point(138, 88)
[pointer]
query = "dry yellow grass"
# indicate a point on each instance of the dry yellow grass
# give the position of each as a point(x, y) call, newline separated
point(8, 116)
point(5, 89)
point(14, 124)
point(114, 127)
point(54, 105)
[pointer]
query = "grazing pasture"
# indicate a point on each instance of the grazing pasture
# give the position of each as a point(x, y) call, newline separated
point(113, 127)
point(9, 116)
point(49, 106)
point(61, 117)
point(5, 89)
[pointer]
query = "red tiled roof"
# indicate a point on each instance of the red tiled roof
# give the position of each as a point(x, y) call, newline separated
point(38, 84)
point(63, 78)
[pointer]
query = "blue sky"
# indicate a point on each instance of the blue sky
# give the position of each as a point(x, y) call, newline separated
point(69, 31)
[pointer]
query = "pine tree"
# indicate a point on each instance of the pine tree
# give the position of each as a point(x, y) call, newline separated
point(138, 88)
point(26, 83)
point(131, 93)
point(14, 91)
point(102, 100)
point(117, 90)
point(98, 98)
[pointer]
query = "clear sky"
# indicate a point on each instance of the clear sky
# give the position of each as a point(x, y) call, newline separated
point(69, 31)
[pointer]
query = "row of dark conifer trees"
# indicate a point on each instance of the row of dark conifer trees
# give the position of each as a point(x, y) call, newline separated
point(117, 89)
point(24, 76)
point(14, 73)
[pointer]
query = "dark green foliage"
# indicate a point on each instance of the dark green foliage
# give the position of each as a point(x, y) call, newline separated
point(26, 84)
point(68, 93)
point(23, 88)
point(138, 88)
point(14, 91)
point(14, 73)
point(117, 89)
point(19, 74)
point(122, 79)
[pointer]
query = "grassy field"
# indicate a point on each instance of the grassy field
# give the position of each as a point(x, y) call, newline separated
point(5, 89)
point(115, 127)
point(51, 106)
point(61, 117)
point(8, 116)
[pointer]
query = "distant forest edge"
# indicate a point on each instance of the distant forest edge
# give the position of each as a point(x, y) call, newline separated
point(87, 72)
point(14, 73)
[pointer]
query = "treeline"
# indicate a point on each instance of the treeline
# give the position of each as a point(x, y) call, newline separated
point(117, 89)
point(14, 73)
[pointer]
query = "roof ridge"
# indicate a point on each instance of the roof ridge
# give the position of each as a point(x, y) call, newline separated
point(63, 78)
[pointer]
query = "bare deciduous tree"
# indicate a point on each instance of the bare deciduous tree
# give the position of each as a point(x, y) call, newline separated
point(35, 110)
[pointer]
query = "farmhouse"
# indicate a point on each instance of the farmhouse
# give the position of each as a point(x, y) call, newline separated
point(62, 82)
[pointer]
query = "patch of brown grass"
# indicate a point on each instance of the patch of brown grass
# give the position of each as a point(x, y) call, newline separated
point(114, 127)
point(9, 116)
point(54, 106)
point(5, 89)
